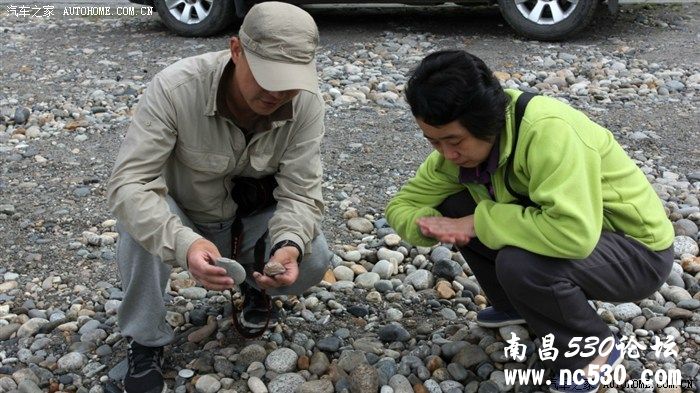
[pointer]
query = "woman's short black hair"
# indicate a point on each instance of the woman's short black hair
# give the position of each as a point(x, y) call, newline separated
point(454, 85)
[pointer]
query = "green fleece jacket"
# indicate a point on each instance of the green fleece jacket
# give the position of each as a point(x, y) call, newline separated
point(581, 178)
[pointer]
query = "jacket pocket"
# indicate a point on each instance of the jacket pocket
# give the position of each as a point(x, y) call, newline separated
point(202, 161)
point(262, 158)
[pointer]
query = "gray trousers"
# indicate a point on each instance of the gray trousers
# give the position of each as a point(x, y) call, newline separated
point(145, 277)
point(552, 294)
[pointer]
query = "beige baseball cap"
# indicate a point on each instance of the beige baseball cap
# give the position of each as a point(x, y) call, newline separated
point(279, 41)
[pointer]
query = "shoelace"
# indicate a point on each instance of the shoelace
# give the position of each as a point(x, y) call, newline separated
point(144, 359)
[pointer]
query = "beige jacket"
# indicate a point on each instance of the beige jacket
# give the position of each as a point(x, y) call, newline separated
point(178, 144)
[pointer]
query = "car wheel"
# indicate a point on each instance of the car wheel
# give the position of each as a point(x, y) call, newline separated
point(196, 18)
point(548, 20)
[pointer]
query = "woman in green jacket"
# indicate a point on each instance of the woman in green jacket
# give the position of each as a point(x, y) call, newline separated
point(544, 204)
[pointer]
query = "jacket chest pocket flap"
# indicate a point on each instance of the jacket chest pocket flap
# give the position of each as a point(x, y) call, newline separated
point(263, 158)
point(202, 161)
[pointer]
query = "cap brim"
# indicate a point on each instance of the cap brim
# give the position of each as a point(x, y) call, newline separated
point(278, 76)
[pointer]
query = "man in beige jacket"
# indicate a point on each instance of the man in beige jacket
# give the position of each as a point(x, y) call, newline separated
point(206, 126)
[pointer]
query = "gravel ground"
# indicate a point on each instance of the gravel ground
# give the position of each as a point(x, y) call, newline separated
point(390, 316)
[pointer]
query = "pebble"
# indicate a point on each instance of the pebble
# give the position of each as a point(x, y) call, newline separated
point(685, 245)
point(657, 323)
point(193, 293)
point(364, 378)
point(329, 344)
point(420, 279)
point(343, 273)
point(71, 361)
point(447, 268)
point(390, 255)
point(392, 240)
point(31, 327)
point(518, 330)
point(281, 360)
point(400, 384)
point(320, 386)
point(393, 332)
point(286, 383)
point(208, 384)
point(626, 311)
point(367, 280)
point(360, 224)
point(685, 227)
point(251, 353)
point(319, 363)
point(29, 386)
point(256, 385)
point(384, 269)
point(674, 294)
point(470, 355)
point(440, 253)
point(21, 115)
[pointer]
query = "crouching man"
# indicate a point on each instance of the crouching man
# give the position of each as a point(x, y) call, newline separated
point(222, 158)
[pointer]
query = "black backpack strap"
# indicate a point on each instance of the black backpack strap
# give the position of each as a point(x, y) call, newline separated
point(520, 106)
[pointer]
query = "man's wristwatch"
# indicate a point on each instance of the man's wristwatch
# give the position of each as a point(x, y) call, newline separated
point(286, 243)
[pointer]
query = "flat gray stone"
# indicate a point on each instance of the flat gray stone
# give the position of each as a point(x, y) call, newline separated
point(233, 269)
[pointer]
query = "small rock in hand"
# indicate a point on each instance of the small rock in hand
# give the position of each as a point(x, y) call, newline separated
point(273, 268)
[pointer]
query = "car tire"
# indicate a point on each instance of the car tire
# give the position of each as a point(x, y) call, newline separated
point(548, 20)
point(197, 18)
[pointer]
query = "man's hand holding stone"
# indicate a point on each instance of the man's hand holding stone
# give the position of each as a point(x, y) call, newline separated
point(287, 257)
point(200, 262)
